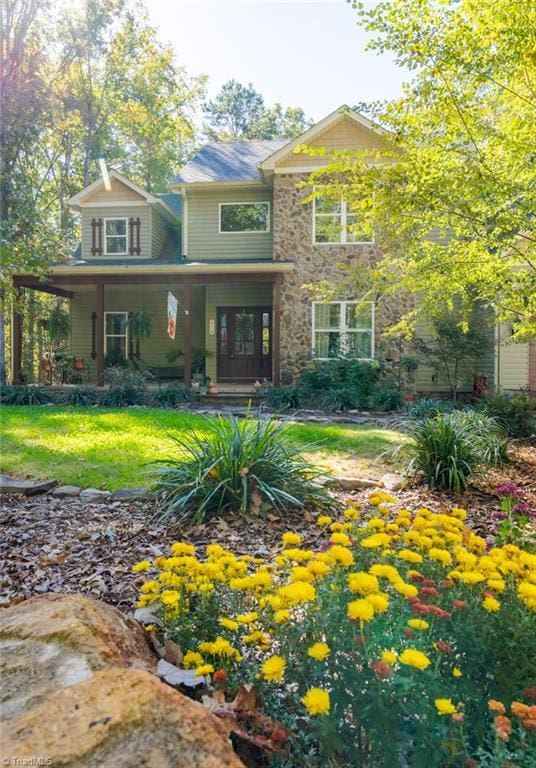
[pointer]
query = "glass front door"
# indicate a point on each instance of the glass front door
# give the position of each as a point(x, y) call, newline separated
point(244, 343)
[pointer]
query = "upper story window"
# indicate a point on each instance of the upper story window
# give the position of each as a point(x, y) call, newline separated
point(244, 217)
point(343, 328)
point(115, 237)
point(334, 222)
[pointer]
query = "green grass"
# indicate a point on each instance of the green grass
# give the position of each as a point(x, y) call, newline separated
point(110, 449)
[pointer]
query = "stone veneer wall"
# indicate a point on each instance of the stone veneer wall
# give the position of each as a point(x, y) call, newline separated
point(293, 239)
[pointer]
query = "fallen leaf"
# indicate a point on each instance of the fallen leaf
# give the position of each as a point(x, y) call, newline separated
point(176, 676)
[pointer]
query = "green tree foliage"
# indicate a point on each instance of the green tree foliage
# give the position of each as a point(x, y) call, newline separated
point(78, 82)
point(451, 192)
point(238, 113)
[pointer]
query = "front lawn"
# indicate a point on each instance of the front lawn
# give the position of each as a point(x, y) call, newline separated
point(110, 449)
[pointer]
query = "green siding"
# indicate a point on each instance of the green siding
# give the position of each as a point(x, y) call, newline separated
point(204, 238)
point(424, 373)
point(253, 295)
point(153, 299)
point(112, 212)
point(159, 234)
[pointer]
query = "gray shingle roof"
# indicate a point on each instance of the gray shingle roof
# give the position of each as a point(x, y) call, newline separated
point(173, 202)
point(228, 161)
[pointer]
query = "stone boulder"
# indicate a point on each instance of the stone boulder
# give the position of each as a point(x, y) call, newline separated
point(28, 487)
point(78, 688)
point(89, 495)
point(53, 641)
point(121, 718)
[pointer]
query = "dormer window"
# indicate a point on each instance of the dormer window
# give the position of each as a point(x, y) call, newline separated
point(335, 222)
point(115, 237)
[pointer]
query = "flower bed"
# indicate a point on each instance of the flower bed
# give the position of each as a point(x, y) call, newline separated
point(404, 640)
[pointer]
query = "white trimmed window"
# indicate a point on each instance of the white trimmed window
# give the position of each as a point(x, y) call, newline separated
point(343, 329)
point(334, 222)
point(244, 217)
point(116, 332)
point(115, 237)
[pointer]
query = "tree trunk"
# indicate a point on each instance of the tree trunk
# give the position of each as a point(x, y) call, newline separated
point(30, 341)
point(2, 339)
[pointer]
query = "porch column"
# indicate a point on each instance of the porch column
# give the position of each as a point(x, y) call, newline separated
point(16, 339)
point(276, 330)
point(100, 331)
point(187, 325)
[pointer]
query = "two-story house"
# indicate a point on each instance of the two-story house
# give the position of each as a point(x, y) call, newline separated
point(235, 244)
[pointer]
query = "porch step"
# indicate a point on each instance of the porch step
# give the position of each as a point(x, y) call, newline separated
point(232, 398)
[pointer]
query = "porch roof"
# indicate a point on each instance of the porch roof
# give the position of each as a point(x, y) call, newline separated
point(148, 268)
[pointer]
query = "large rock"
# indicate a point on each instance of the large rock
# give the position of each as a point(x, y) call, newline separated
point(93, 494)
point(392, 482)
point(78, 687)
point(130, 494)
point(65, 491)
point(54, 641)
point(28, 487)
point(121, 718)
point(349, 483)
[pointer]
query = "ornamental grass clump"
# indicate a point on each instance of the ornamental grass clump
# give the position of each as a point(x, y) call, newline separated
point(244, 466)
point(398, 639)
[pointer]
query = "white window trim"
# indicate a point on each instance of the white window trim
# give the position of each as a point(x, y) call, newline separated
point(115, 218)
point(343, 329)
point(246, 231)
point(344, 224)
point(116, 335)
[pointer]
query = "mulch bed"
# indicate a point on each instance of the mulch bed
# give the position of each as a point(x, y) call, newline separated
point(62, 545)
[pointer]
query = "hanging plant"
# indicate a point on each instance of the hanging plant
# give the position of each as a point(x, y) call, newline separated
point(58, 325)
point(141, 325)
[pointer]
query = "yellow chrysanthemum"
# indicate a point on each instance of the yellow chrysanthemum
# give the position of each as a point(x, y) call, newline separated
point(414, 658)
point(361, 610)
point(491, 604)
point(291, 539)
point(445, 707)
point(389, 657)
point(229, 624)
point(204, 669)
point(419, 624)
point(363, 583)
point(323, 521)
point(144, 565)
point(317, 701)
point(273, 669)
point(319, 651)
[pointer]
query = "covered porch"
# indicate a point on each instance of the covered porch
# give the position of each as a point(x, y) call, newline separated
point(228, 321)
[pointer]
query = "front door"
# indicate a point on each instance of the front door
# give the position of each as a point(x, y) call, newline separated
point(244, 343)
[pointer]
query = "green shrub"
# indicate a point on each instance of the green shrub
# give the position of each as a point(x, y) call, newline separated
point(449, 448)
point(442, 453)
point(341, 399)
point(428, 407)
point(170, 396)
point(26, 396)
point(344, 373)
point(6, 393)
point(486, 435)
point(387, 399)
point(517, 413)
point(238, 466)
point(79, 396)
point(284, 398)
point(126, 387)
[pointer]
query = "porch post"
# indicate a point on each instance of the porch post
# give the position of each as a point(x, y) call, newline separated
point(16, 339)
point(276, 331)
point(187, 325)
point(100, 331)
